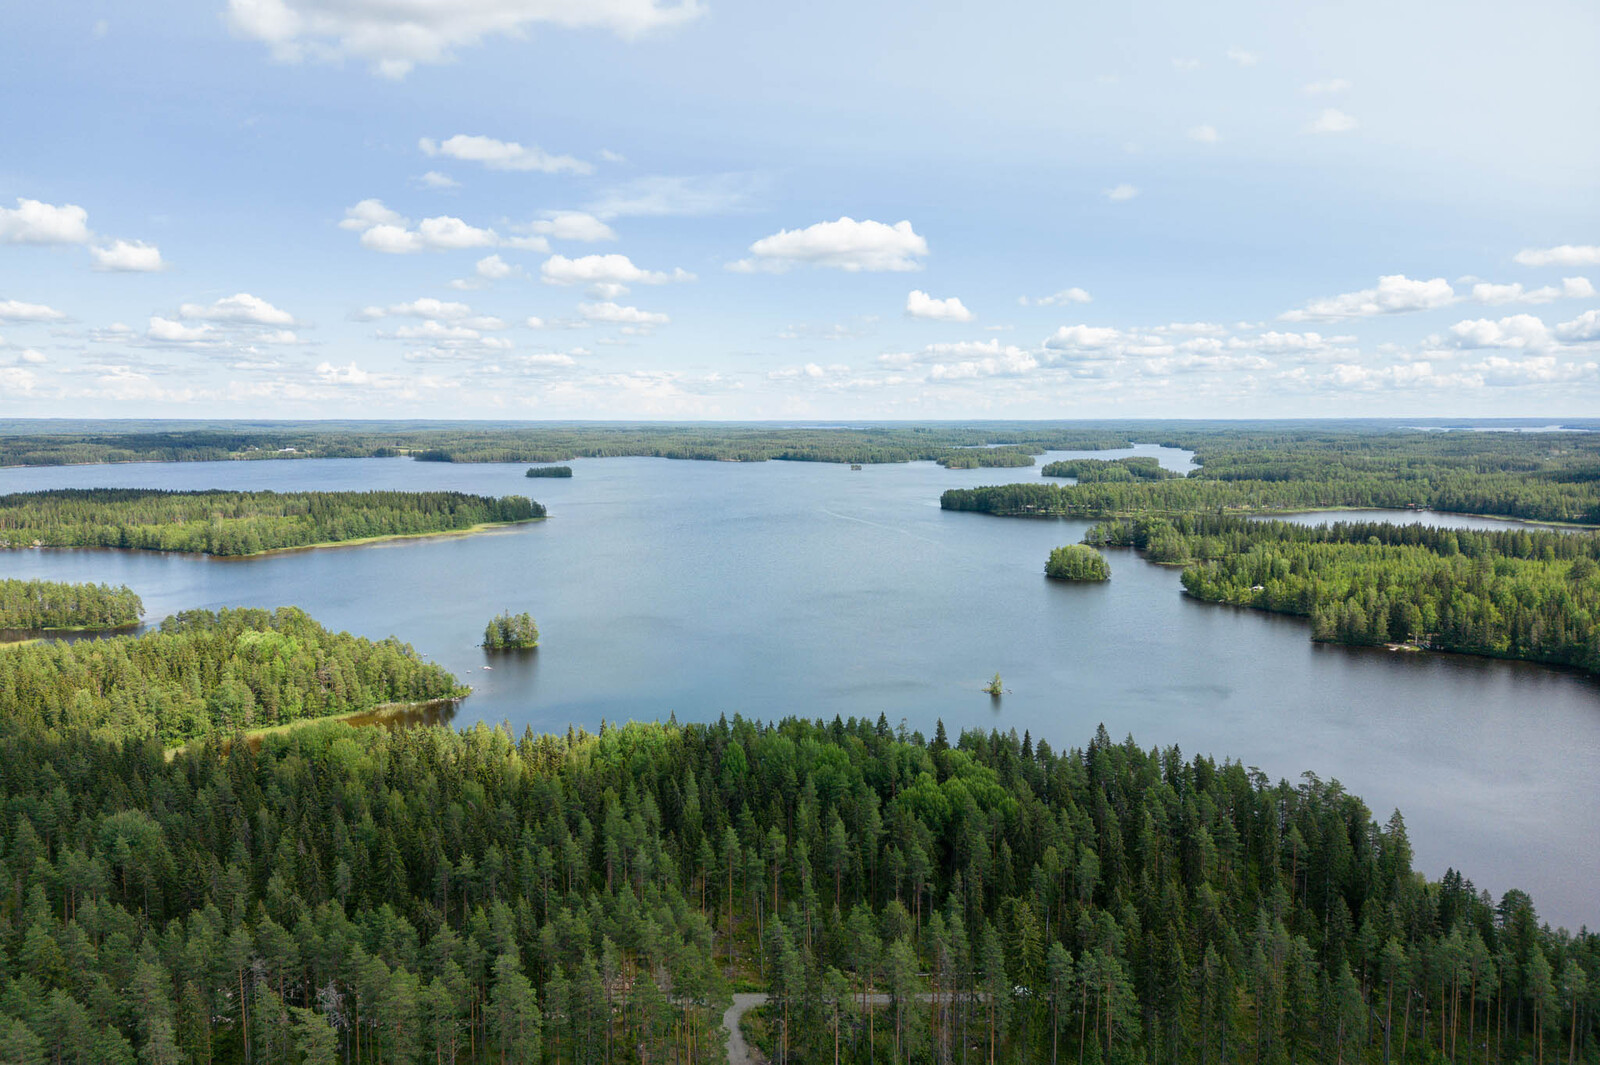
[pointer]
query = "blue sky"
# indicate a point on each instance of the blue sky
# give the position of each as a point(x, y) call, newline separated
point(633, 209)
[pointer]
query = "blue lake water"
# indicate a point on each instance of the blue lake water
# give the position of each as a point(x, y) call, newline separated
point(707, 588)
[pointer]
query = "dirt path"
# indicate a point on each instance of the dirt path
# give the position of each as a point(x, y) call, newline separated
point(739, 1052)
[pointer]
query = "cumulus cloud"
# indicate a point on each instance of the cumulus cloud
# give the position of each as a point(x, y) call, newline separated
point(494, 268)
point(394, 38)
point(433, 179)
point(616, 314)
point(425, 307)
point(1394, 294)
point(1066, 295)
point(966, 360)
point(369, 213)
point(242, 308)
point(1585, 327)
point(1083, 338)
point(921, 305)
point(1121, 193)
point(127, 256)
point(1517, 331)
point(1331, 120)
point(1571, 288)
point(383, 230)
point(1562, 255)
point(503, 155)
point(349, 374)
point(843, 245)
point(17, 311)
point(1205, 134)
point(36, 222)
point(605, 270)
point(167, 331)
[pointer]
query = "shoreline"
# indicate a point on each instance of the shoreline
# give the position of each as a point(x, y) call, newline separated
point(362, 541)
point(1116, 515)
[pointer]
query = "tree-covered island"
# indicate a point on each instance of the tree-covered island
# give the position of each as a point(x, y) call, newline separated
point(243, 523)
point(549, 471)
point(1076, 562)
point(511, 632)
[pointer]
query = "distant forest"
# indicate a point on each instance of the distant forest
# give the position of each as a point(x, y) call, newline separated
point(37, 606)
point(240, 523)
point(203, 671)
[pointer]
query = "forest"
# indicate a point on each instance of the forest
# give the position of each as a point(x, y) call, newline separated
point(240, 523)
point(425, 895)
point(511, 632)
point(41, 606)
point(203, 672)
point(1097, 471)
point(549, 471)
point(972, 458)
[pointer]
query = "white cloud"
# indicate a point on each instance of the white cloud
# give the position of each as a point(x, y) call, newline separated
point(503, 155)
point(1205, 134)
point(1242, 57)
point(1517, 331)
point(128, 256)
point(167, 331)
point(494, 268)
point(17, 311)
point(1327, 88)
point(921, 305)
point(1185, 66)
point(30, 355)
point(17, 381)
point(426, 307)
point(35, 222)
point(349, 374)
point(1121, 193)
point(1582, 328)
point(965, 360)
point(433, 179)
point(1332, 120)
point(369, 213)
point(391, 240)
point(395, 37)
point(1572, 288)
point(662, 195)
point(1563, 255)
point(447, 233)
point(603, 269)
point(619, 315)
point(1394, 294)
point(1066, 295)
point(534, 322)
point(432, 330)
point(572, 225)
point(843, 245)
point(242, 308)
point(1498, 370)
point(1083, 338)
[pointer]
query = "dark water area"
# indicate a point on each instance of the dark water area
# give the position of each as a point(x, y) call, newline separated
point(768, 589)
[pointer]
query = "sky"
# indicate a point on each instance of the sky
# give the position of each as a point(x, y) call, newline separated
point(720, 209)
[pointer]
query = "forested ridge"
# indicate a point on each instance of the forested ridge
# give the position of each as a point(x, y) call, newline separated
point(426, 895)
point(202, 672)
point(240, 523)
point(38, 606)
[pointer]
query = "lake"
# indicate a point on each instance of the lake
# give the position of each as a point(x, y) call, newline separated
point(766, 589)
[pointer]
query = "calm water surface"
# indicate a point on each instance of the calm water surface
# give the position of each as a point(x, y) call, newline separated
point(707, 588)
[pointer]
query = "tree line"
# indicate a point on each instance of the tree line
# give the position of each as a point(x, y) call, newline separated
point(38, 606)
point(1095, 471)
point(203, 672)
point(240, 523)
point(364, 896)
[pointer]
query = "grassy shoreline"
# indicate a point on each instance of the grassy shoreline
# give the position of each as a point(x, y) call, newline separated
point(372, 715)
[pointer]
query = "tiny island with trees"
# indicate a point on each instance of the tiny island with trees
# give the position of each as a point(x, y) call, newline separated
point(549, 471)
point(1077, 562)
point(511, 632)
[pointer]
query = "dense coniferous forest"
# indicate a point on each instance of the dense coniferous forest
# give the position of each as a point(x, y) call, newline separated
point(973, 458)
point(423, 895)
point(1095, 471)
point(240, 523)
point(37, 606)
point(549, 471)
point(1077, 562)
point(203, 671)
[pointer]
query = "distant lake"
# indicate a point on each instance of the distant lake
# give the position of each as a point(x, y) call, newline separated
point(708, 588)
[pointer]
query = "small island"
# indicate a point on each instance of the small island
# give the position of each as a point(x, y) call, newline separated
point(995, 688)
point(511, 632)
point(1077, 562)
point(549, 471)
